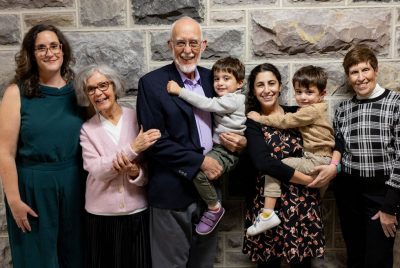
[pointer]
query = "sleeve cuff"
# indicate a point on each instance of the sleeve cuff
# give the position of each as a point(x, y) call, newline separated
point(392, 201)
point(129, 152)
point(140, 180)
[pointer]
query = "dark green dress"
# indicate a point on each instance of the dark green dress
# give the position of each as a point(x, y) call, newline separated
point(50, 181)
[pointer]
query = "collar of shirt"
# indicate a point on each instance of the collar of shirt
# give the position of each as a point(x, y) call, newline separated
point(378, 90)
point(187, 81)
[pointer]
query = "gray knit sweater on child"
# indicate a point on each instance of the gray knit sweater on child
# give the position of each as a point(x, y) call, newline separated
point(228, 111)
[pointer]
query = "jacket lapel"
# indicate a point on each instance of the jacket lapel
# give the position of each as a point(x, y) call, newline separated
point(185, 107)
point(206, 84)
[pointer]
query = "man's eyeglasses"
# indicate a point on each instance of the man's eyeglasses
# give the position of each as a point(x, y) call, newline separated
point(41, 50)
point(102, 86)
point(194, 44)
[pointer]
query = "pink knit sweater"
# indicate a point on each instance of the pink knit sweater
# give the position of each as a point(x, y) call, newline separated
point(107, 192)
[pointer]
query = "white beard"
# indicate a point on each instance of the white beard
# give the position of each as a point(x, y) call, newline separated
point(186, 69)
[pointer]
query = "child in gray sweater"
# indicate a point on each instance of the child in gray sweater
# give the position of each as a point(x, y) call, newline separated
point(229, 116)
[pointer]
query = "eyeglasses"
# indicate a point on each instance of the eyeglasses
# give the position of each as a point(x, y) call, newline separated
point(194, 44)
point(102, 86)
point(41, 50)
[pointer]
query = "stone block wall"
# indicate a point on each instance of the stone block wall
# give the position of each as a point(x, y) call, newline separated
point(131, 36)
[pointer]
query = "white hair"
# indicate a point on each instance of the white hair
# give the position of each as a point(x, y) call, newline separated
point(186, 18)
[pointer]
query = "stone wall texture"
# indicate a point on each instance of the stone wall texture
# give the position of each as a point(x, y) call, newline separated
point(131, 35)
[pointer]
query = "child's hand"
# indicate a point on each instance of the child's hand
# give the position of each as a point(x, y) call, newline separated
point(254, 116)
point(173, 88)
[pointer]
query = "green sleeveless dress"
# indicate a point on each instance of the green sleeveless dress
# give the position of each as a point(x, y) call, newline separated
point(51, 181)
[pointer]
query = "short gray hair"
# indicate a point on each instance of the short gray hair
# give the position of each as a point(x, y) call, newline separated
point(85, 73)
point(186, 18)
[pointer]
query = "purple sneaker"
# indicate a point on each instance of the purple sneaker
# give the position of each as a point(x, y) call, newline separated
point(208, 221)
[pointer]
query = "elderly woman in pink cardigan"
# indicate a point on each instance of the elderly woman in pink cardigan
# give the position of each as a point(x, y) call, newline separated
point(116, 205)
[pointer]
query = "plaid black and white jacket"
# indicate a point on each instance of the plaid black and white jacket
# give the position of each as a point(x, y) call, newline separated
point(370, 132)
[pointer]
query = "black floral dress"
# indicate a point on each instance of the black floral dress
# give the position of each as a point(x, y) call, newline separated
point(300, 233)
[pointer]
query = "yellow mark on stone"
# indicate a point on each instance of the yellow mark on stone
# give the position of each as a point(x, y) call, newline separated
point(311, 38)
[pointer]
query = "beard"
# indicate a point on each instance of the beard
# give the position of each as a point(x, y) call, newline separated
point(186, 68)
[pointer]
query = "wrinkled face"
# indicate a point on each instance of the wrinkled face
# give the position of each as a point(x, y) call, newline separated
point(186, 45)
point(100, 92)
point(225, 82)
point(305, 96)
point(362, 77)
point(266, 90)
point(48, 52)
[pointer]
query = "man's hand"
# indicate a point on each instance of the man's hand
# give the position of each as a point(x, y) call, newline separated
point(233, 142)
point(211, 168)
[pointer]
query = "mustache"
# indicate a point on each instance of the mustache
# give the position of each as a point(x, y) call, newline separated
point(187, 56)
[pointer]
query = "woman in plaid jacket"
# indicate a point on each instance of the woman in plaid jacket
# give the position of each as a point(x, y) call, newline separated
point(367, 130)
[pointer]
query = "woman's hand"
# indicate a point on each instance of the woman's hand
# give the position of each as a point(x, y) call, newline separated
point(323, 175)
point(20, 212)
point(145, 139)
point(388, 222)
point(122, 165)
point(134, 170)
point(233, 142)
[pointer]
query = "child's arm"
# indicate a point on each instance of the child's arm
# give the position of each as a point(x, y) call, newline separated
point(303, 117)
point(226, 104)
point(173, 88)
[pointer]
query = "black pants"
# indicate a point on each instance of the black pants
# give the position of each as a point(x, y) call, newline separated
point(358, 201)
point(276, 263)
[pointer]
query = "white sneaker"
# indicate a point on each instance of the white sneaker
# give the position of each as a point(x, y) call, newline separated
point(262, 224)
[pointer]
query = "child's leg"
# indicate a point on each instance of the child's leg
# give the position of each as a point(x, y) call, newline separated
point(272, 191)
point(213, 215)
point(227, 160)
point(267, 219)
point(207, 191)
point(307, 163)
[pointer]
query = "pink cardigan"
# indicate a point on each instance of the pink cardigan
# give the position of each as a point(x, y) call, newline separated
point(107, 192)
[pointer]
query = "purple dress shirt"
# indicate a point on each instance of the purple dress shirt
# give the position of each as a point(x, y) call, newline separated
point(203, 119)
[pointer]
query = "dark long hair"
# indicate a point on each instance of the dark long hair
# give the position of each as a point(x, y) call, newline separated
point(252, 104)
point(27, 72)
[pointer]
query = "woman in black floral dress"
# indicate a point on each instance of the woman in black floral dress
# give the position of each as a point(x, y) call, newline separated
point(299, 237)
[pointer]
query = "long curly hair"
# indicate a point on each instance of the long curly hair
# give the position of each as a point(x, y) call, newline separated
point(252, 104)
point(27, 72)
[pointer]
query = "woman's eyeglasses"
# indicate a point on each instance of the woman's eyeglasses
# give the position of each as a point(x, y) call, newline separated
point(42, 50)
point(102, 86)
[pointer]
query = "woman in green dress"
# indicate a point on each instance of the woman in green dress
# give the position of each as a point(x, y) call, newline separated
point(40, 156)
